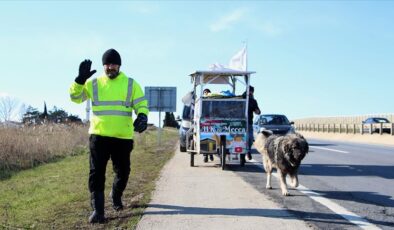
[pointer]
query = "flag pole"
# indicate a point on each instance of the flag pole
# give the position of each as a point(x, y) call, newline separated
point(246, 56)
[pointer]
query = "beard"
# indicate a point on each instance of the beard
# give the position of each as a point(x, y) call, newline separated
point(112, 74)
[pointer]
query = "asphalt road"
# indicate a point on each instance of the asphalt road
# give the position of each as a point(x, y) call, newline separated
point(355, 177)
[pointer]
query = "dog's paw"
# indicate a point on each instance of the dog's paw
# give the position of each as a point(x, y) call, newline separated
point(268, 187)
point(285, 193)
point(294, 182)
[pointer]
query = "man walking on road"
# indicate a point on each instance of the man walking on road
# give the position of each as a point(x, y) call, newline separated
point(114, 96)
point(253, 108)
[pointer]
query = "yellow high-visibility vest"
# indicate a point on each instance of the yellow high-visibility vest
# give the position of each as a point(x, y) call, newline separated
point(113, 102)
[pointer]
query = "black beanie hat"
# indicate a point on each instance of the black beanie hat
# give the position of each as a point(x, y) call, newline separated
point(111, 56)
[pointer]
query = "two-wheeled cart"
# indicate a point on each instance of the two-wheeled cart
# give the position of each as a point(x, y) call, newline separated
point(219, 121)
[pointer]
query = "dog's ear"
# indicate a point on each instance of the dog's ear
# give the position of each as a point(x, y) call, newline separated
point(299, 135)
point(304, 145)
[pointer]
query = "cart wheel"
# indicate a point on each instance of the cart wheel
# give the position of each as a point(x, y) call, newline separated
point(242, 160)
point(191, 159)
point(223, 151)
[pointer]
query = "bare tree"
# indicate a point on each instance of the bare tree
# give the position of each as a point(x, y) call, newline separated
point(9, 107)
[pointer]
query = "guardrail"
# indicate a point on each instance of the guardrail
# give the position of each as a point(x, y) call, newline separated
point(355, 119)
point(347, 128)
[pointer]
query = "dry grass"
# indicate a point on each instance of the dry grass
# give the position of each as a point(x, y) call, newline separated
point(26, 147)
point(56, 196)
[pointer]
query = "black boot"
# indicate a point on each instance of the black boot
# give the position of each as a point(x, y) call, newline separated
point(249, 156)
point(97, 202)
point(116, 198)
point(205, 158)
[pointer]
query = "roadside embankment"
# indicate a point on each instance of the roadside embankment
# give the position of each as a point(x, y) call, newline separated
point(384, 139)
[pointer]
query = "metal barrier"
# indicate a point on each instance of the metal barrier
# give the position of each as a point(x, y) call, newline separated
point(346, 128)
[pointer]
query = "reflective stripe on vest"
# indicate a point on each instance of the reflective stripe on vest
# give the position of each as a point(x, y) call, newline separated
point(113, 112)
point(136, 101)
point(126, 103)
point(129, 91)
point(81, 96)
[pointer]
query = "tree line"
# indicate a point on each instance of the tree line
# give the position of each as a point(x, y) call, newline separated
point(13, 110)
point(56, 115)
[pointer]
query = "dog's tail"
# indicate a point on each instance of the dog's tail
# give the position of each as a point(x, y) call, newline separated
point(265, 132)
point(261, 138)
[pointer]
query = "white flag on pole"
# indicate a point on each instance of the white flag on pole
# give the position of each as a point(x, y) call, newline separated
point(238, 61)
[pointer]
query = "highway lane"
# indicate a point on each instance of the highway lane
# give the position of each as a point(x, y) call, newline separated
point(366, 171)
point(357, 177)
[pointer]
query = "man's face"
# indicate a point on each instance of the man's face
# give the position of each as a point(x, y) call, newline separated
point(111, 70)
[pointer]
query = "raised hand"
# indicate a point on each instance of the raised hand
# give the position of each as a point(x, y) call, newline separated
point(84, 72)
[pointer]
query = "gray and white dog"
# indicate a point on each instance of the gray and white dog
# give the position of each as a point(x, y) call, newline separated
point(284, 153)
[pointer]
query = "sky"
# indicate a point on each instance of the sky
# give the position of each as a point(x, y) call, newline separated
point(312, 58)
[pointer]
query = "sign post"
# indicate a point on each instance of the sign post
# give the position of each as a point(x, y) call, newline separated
point(161, 99)
point(87, 119)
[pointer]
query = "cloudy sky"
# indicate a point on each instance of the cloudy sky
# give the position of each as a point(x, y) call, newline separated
point(312, 58)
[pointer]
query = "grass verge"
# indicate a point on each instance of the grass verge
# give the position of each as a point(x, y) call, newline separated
point(56, 196)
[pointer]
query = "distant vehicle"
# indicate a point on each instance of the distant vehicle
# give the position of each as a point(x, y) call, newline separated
point(376, 121)
point(185, 126)
point(277, 123)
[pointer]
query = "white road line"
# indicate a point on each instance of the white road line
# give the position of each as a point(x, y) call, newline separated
point(336, 208)
point(334, 150)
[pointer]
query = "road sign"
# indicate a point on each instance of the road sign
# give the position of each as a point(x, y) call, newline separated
point(161, 99)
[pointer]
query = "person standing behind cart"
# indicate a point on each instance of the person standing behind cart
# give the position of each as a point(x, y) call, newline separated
point(253, 108)
point(206, 92)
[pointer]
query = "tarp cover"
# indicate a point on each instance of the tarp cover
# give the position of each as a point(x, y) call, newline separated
point(218, 76)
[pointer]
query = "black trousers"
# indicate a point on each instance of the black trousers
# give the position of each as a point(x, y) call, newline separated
point(101, 150)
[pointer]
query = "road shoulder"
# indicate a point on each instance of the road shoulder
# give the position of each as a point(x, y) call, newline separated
point(205, 197)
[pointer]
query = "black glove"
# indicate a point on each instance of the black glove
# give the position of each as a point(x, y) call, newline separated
point(141, 123)
point(84, 72)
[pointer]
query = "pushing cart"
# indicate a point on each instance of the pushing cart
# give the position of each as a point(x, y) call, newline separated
point(219, 121)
